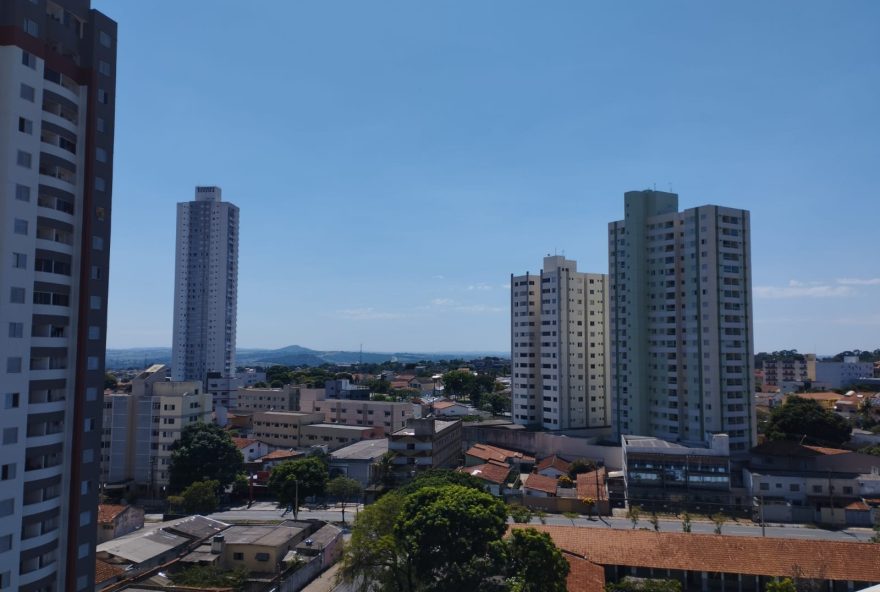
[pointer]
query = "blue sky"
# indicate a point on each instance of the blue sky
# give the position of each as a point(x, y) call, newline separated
point(395, 162)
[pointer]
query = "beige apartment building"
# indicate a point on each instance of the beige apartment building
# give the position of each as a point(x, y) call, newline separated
point(559, 347)
point(335, 436)
point(269, 399)
point(390, 416)
point(426, 444)
point(140, 427)
point(282, 429)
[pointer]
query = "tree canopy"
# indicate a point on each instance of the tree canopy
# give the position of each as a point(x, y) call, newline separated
point(441, 477)
point(205, 452)
point(447, 538)
point(345, 490)
point(200, 497)
point(799, 417)
point(309, 475)
point(629, 584)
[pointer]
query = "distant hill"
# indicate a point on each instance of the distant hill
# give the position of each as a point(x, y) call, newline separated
point(292, 355)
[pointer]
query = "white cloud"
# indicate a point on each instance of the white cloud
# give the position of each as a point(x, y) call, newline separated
point(480, 287)
point(367, 314)
point(479, 309)
point(443, 301)
point(505, 286)
point(859, 281)
point(796, 289)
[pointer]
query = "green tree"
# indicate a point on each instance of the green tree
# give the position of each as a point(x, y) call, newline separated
point(873, 450)
point(565, 482)
point(211, 577)
point(799, 417)
point(655, 521)
point(581, 465)
point(241, 487)
point(783, 585)
point(685, 522)
point(452, 537)
point(201, 497)
point(383, 470)
point(519, 514)
point(110, 380)
point(205, 452)
point(633, 514)
point(458, 383)
point(494, 403)
point(373, 559)
point(719, 519)
point(441, 477)
point(534, 562)
point(345, 490)
point(294, 480)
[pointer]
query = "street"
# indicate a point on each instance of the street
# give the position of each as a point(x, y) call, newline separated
point(268, 511)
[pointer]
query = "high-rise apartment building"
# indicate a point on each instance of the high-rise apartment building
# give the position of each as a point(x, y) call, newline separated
point(57, 94)
point(558, 347)
point(141, 426)
point(681, 361)
point(205, 287)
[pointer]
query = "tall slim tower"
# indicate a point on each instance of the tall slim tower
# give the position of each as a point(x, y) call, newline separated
point(205, 287)
point(57, 96)
point(558, 347)
point(681, 321)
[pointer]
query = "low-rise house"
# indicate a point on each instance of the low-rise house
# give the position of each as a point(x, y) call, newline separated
point(326, 542)
point(535, 485)
point(335, 436)
point(258, 548)
point(790, 482)
point(276, 457)
point(553, 466)
point(107, 574)
point(497, 476)
point(424, 385)
point(251, 449)
point(356, 460)
point(715, 562)
point(450, 409)
point(483, 453)
point(425, 444)
point(117, 520)
point(593, 486)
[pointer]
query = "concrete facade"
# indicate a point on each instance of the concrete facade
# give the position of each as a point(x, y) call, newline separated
point(205, 287)
point(559, 347)
point(57, 119)
point(682, 346)
point(141, 426)
point(390, 416)
point(426, 444)
point(843, 374)
point(282, 429)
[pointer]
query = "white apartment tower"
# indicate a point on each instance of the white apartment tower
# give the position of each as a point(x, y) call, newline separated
point(57, 109)
point(681, 352)
point(205, 287)
point(558, 347)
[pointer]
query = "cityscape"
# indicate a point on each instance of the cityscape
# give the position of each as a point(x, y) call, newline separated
point(634, 424)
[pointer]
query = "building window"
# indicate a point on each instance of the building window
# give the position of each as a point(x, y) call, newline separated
point(19, 261)
point(11, 400)
point(94, 332)
point(95, 303)
point(98, 243)
point(96, 272)
point(91, 394)
point(238, 556)
point(28, 60)
point(24, 159)
point(7, 472)
point(22, 193)
point(261, 556)
point(25, 126)
point(105, 39)
point(100, 155)
point(100, 125)
point(85, 518)
point(13, 365)
point(16, 330)
point(7, 507)
point(104, 68)
point(30, 27)
point(20, 226)
point(100, 184)
point(27, 93)
point(103, 96)
point(92, 362)
point(10, 436)
point(16, 295)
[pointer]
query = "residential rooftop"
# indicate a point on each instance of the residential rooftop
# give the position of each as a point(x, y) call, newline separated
point(269, 536)
point(363, 450)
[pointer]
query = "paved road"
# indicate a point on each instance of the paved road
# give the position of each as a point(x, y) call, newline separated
point(267, 511)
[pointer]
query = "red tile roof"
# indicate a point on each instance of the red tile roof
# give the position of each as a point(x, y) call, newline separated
point(105, 571)
point(584, 576)
point(279, 454)
point(446, 404)
point(592, 485)
point(789, 448)
point(541, 483)
point(243, 442)
point(555, 462)
point(493, 472)
point(108, 512)
point(487, 453)
point(774, 557)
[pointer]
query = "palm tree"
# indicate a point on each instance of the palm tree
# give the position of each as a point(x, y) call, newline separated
point(383, 470)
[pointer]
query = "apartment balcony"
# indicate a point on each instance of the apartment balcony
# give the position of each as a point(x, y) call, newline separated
point(42, 539)
point(44, 506)
point(45, 439)
point(36, 573)
point(66, 177)
point(56, 207)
